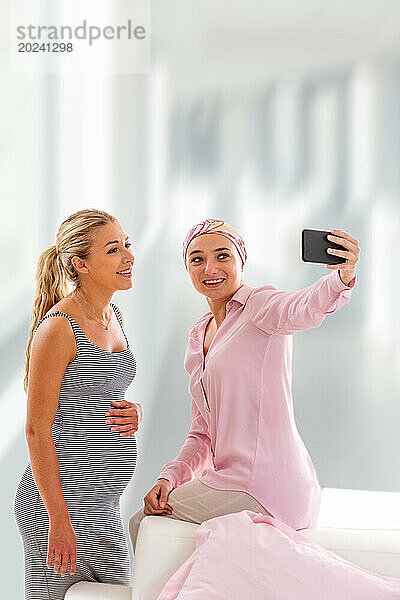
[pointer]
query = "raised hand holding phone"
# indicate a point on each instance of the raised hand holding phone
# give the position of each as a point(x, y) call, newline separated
point(342, 248)
point(350, 254)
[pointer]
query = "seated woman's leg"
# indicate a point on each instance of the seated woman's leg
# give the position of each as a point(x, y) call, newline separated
point(196, 502)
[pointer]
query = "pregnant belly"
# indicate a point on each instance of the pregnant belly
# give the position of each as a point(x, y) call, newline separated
point(94, 461)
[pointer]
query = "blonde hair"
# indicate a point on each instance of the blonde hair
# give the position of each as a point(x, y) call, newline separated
point(75, 237)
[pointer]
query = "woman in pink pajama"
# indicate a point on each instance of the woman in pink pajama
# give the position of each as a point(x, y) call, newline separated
point(243, 451)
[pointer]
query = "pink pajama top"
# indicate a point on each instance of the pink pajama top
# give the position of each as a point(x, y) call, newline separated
point(243, 435)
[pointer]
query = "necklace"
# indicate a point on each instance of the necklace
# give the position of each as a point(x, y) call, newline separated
point(93, 317)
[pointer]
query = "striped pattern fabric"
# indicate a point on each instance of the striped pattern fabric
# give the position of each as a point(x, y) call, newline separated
point(96, 464)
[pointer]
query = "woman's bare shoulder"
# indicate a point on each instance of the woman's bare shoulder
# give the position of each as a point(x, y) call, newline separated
point(55, 334)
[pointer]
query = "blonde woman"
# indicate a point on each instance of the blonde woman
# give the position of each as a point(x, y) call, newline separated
point(79, 428)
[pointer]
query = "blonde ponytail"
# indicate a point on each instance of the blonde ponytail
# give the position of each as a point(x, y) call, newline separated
point(50, 288)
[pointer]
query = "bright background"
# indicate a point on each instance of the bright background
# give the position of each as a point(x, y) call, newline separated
point(274, 116)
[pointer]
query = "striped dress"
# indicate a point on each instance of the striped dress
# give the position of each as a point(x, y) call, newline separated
point(95, 463)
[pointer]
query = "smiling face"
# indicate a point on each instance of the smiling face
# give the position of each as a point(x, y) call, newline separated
point(214, 266)
point(110, 262)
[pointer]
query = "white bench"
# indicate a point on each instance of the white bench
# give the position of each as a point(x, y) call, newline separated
point(360, 526)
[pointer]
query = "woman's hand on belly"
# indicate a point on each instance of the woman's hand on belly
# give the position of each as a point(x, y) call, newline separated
point(126, 418)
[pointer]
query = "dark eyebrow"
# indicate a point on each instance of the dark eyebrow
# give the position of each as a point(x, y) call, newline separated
point(115, 241)
point(200, 251)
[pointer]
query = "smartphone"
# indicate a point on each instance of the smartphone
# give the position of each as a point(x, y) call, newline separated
point(314, 244)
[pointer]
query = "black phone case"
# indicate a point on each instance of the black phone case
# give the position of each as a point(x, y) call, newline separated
point(314, 247)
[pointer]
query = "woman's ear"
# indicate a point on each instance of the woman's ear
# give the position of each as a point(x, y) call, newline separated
point(79, 264)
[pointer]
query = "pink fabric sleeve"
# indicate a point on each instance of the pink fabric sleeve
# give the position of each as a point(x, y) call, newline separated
point(275, 311)
point(194, 456)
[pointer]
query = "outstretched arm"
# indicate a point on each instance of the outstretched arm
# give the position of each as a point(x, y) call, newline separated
point(275, 311)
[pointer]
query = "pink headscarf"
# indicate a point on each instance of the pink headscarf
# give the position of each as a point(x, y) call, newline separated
point(215, 226)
